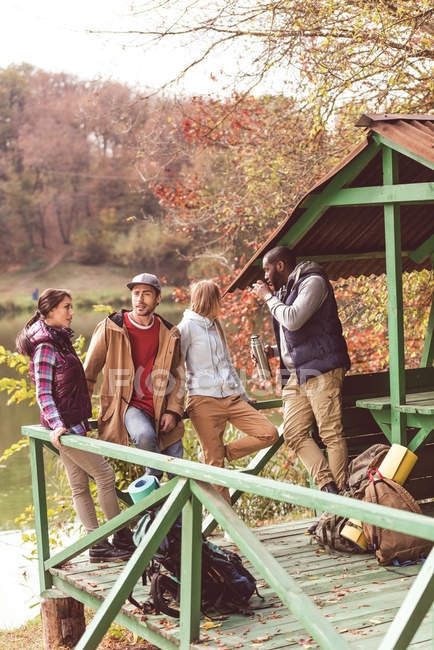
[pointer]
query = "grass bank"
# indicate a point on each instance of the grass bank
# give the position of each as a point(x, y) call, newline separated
point(29, 636)
point(90, 285)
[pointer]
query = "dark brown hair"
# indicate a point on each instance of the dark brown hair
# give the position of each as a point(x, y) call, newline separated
point(281, 254)
point(48, 300)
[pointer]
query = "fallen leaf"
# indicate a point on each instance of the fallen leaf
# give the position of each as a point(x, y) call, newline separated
point(209, 624)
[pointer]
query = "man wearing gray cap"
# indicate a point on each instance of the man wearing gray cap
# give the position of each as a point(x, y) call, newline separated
point(142, 391)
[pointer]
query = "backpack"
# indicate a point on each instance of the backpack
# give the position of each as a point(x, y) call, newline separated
point(329, 527)
point(391, 547)
point(226, 584)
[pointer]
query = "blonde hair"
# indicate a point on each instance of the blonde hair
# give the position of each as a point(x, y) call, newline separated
point(205, 299)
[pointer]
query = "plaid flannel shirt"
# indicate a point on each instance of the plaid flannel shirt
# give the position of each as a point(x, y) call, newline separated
point(45, 359)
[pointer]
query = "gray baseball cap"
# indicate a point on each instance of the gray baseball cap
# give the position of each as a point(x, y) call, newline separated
point(145, 278)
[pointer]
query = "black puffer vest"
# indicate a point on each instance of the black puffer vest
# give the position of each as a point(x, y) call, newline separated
point(318, 346)
point(70, 392)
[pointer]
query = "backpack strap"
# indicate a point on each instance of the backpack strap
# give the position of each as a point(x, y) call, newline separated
point(161, 585)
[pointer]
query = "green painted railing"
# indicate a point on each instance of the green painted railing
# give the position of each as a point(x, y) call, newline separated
point(186, 494)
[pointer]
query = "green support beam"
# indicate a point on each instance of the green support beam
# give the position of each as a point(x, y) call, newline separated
point(191, 567)
point(403, 194)
point(412, 611)
point(421, 438)
point(40, 505)
point(392, 226)
point(382, 140)
point(425, 250)
point(319, 206)
point(300, 605)
point(134, 568)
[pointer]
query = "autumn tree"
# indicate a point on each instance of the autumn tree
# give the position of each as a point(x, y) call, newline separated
point(327, 52)
point(249, 164)
point(71, 177)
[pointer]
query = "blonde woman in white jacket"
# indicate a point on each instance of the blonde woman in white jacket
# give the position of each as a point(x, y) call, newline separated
point(215, 393)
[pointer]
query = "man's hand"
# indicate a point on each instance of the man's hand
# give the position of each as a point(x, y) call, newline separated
point(167, 422)
point(55, 436)
point(261, 290)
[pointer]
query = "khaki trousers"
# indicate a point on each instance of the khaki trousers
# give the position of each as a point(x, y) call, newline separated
point(79, 465)
point(210, 415)
point(318, 399)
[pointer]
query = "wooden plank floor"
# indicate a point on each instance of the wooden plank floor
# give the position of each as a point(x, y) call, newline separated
point(358, 596)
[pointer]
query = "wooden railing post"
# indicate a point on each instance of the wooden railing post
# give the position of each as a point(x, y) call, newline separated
point(191, 568)
point(40, 505)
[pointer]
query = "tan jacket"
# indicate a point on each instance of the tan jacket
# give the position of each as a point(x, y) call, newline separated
point(110, 349)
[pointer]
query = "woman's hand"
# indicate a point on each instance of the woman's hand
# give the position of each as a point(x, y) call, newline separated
point(55, 436)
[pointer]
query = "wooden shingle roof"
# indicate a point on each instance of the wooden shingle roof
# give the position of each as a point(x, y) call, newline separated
point(349, 240)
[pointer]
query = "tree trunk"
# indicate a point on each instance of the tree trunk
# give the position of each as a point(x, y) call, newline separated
point(62, 622)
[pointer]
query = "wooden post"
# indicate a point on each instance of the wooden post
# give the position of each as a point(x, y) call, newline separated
point(62, 621)
point(40, 505)
point(395, 319)
point(191, 572)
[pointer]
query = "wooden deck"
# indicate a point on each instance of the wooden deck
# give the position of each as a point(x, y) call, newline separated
point(358, 596)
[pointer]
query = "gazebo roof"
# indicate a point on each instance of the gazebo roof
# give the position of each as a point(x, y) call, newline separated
point(346, 233)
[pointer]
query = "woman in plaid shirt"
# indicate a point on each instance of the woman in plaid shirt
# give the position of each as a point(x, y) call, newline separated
point(63, 398)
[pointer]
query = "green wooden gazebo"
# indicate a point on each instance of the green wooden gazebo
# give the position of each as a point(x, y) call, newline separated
point(374, 214)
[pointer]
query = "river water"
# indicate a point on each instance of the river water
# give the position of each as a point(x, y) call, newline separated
point(20, 591)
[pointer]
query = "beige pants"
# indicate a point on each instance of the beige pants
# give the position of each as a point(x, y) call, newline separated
point(210, 415)
point(318, 399)
point(79, 465)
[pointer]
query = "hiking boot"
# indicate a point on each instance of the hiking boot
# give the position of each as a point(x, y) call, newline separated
point(103, 551)
point(123, 540)
point(331, 488)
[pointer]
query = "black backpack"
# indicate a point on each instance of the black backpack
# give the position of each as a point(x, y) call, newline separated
point(226, 584)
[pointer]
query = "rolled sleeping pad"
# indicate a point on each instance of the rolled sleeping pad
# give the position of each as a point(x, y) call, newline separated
point(142, 486)
point(398, 463)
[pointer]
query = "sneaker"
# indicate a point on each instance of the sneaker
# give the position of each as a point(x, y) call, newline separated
point(123, 540)
point(103, 551)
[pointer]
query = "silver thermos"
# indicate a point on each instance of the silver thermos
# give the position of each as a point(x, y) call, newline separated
point(258, 351)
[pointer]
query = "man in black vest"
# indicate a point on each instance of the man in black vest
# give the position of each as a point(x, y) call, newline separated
point(313, 361)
